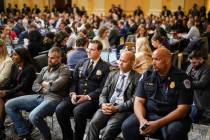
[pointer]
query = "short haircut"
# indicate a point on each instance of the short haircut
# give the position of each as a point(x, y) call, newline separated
point(196, 54)
point(131, 55)
point(102, 30)
point(57, 50)
point(156, 37)
point(81, 41)
point(114, 22)
point(99, 44)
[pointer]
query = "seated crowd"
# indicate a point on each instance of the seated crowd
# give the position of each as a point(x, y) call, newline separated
point(140, 93)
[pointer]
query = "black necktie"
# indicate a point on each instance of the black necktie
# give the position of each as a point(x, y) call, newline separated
point(90, 68)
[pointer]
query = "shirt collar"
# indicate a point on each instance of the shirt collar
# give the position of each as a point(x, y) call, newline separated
point(126, 74)
point(95, 61)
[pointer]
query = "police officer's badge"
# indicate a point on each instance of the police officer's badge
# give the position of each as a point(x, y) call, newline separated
point(172, 84)
point(98, 72)
point(187, 83)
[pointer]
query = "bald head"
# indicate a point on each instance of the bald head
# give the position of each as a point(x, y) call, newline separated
point(162, 60)
point(126, 61)
point(163, 52)
point(130, 55)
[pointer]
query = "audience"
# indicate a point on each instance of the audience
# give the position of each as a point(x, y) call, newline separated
point(71, 28)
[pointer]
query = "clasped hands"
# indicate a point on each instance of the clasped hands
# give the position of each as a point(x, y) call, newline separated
point(76, 99)
point(108, 108)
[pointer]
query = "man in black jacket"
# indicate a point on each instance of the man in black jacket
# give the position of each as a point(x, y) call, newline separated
point(88, 80)
point(199, 71)
point(116, 100)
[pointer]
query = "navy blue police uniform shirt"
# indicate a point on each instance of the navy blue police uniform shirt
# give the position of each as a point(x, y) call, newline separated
point(90, 83)
point(163, 94)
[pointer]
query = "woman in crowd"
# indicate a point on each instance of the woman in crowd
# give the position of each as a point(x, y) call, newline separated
point(157, 41)
point(143, 61)
point(20, 80)
point(103, 37)
point(5, 64)
point(142, 43)
point(8, 36)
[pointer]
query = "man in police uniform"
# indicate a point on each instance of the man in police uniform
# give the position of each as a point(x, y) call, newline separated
point(88, 80)
point(162, 102)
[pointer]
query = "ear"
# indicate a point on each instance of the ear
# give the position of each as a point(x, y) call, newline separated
point(201, 60)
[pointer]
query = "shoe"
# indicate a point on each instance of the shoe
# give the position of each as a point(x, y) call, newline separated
point(25, 137)
point(46, 138)
point(2, 135)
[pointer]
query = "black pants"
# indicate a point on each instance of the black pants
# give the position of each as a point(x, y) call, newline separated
point(112, 124)
point(81, 113)
point(176, 130)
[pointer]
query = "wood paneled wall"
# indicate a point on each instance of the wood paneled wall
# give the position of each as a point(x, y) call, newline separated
point(102, 6)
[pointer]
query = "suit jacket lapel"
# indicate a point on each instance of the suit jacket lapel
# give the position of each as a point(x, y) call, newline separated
point(86, 67)
point(116, 79)
point(198, 73)
point(96, 67)
point(129, 80)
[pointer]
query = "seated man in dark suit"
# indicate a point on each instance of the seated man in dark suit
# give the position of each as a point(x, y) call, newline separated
point(162, 102)
point(116, 100)
point(88, 80)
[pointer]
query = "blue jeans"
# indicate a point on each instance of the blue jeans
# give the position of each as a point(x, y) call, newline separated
point(40, 107)
point(195, 114)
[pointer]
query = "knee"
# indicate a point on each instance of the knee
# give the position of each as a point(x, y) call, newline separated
point(60, 110)
point(125, 126)
point(177, 129)
point(107, 131)
point(34, 118)
point(77, 112)
point(63, 110)
point(9, 107)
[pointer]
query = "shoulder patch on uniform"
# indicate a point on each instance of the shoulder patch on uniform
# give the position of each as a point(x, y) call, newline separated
point(187, 83)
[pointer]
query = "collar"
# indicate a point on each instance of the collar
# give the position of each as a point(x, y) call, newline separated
point(50, 69)
point(126, 74)
point(95, 61)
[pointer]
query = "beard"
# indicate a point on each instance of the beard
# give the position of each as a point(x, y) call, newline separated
point(53, 66)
